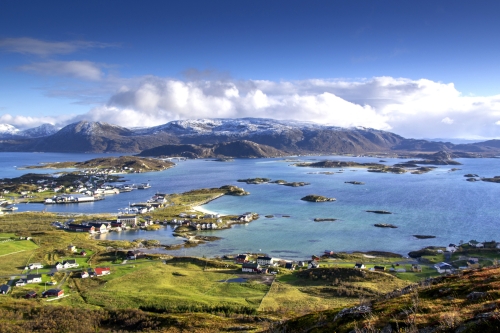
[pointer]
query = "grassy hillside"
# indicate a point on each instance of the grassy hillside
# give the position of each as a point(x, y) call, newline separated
point(468, 302)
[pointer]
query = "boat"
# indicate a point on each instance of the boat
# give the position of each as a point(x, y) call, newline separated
point(10, 209)
point(143, 186)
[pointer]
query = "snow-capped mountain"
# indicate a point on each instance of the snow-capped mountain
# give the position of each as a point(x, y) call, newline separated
point(40, 131)
point(7, 130)
point(286, 136)
point(231, 127)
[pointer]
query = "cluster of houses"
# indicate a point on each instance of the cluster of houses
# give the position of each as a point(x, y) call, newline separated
point(95, 272)
point(263, 263)
point(92, 227)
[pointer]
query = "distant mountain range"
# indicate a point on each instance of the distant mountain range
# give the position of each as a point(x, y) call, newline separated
point(10, 132)
point(249, 137)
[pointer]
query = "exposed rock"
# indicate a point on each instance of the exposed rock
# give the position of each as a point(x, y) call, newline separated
point(476, 295)
point(324, 220)
point(471, 175)
point(355, 183)
point(337, 164)
point(234, 190)
point(495, 179)
point(378, 211)
point(424, 236)
point(385, 225)
point(317, 198)
point(254, 180)
point(296, 184)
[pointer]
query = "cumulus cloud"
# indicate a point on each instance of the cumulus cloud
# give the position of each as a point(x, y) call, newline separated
point(447, 120)
point(25, 122)
point(411, 108)
point(414, 108)
point(79, 69)
point(26, 45)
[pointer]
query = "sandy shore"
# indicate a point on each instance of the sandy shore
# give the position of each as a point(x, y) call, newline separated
point(203, 210)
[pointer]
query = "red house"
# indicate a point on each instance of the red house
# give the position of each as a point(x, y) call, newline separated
point(53, 293)
point(100, 271)
point(241, 259)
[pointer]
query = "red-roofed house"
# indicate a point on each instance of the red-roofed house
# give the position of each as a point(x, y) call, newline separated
point(100, 271)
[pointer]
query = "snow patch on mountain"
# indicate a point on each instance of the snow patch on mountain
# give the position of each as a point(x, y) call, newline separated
point(40, 131)
point(8, 130)
point(231, 127)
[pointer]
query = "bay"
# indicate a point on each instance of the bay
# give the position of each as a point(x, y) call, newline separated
point(440, 203)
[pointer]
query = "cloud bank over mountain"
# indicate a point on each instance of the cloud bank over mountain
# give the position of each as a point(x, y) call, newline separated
point(412, 108)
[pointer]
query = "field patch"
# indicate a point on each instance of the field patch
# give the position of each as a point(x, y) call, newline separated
point(11, 246)
point(175, 287)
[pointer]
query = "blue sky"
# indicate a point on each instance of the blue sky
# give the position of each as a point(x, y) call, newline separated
point(420, 69)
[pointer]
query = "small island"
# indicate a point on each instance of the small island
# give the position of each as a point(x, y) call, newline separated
point(354, 182)
point(325, 219)
point(317, 198)
point(495, 179)
point(254, 180)
point(122, 164)
point(384, 225)
point(424, 236)
point(378, 211)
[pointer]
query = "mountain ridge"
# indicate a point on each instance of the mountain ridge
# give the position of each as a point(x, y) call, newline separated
point(288, 136)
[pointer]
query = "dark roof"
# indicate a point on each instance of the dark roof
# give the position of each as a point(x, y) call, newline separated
point(79, 226)
point(52, 292)
point(288, 265)
point(70, 261)
point(264, 258)
point(242, 256)
point(250, 265)
point(4, 288)
point(33, 276)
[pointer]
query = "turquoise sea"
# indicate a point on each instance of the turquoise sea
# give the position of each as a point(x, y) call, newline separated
point(440, 203)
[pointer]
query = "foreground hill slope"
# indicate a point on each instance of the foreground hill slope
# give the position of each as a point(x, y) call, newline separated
point(468, 302)
point(237, 149)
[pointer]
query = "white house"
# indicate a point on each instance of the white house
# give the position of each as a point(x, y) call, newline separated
point(70, 263)
point(250, 268)
point(451, 249)
point(35, 265)
point(34, 278)
point(443, 267)
point(264, 261)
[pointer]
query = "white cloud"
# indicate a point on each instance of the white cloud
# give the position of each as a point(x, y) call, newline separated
point(26, 45)
point(24, 122)
point(411, 108)
point(79, 69)
point(447, 120)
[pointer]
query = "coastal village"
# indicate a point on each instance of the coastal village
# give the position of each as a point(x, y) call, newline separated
point(67, 262)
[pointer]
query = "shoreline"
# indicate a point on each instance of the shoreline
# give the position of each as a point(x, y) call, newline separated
point(201, 209)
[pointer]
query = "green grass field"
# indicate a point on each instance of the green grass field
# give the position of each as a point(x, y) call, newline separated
point(168, 285)
point(8, 247)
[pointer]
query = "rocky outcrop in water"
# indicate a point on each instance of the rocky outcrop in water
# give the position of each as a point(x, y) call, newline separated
point(317, 198)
